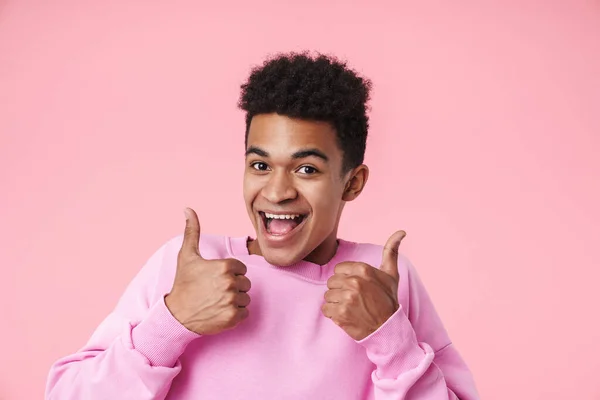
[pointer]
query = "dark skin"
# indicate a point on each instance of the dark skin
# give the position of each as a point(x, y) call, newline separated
point(292, 167)
point(360, 297)
point(312, 184)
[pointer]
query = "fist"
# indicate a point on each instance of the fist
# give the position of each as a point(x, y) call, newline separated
point(208, 296)
point(360, 298)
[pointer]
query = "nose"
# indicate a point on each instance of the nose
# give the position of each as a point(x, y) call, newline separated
point(279, 188)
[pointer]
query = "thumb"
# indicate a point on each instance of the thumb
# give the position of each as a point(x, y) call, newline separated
point(389, 262)
point(191, 234)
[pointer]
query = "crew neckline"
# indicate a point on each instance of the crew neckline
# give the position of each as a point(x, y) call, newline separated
point(238, 247)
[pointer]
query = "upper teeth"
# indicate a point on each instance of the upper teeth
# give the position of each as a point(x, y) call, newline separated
point(280, 216)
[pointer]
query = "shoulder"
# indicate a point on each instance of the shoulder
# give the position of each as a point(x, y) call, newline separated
point(164, 261)
point(410, 287)
point(412, 293)
point(372, 254)
point(211, 246)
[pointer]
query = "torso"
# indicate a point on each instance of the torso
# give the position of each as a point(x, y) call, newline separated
point(286, 349)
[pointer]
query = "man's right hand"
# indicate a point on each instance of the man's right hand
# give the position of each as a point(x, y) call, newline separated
point(208, 296)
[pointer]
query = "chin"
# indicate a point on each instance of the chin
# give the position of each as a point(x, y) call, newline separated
point(280, 257)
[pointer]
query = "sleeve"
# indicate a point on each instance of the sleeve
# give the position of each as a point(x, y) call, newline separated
point(413, 356)
point(134, 352)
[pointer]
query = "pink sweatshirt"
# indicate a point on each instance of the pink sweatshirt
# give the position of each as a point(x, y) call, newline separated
point(286, 349)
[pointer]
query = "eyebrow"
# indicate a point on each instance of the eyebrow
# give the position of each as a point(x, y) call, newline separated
point(305, 153)
point(256, 150)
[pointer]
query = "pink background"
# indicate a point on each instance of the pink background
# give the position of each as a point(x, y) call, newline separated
point(484, 147)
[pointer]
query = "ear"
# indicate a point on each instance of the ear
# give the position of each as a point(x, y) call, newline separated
point(356, 182)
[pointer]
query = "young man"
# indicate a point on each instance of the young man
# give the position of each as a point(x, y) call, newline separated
point(329, 319)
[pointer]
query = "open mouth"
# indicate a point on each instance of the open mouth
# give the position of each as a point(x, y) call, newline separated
point(281, 224)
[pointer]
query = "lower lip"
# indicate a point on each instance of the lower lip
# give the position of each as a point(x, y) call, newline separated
point(279, 239)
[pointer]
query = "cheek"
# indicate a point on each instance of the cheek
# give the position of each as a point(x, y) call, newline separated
point(251, 188)
point(325, 201)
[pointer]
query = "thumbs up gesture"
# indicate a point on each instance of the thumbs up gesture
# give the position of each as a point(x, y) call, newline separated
point(208, 296)
point(360, 298)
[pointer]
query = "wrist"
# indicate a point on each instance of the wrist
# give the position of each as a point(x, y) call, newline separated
point(160, 337)
point(172, 305)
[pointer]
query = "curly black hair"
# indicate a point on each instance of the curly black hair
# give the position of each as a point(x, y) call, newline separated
point(318, 88)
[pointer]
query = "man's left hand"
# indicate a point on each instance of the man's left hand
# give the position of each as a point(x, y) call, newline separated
point(361, 297)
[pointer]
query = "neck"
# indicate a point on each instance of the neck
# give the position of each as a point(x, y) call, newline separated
point(321, 255)
point(324, 252)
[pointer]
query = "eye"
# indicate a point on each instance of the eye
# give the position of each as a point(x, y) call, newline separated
point(307, 170)
point(260, 166)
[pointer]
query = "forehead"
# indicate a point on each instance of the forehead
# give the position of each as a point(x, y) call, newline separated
point(277, 133)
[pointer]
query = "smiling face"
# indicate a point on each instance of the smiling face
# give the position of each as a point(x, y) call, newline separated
point(295, 189)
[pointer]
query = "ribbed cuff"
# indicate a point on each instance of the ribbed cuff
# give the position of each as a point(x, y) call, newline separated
point(394, 348)
point(160, 337)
